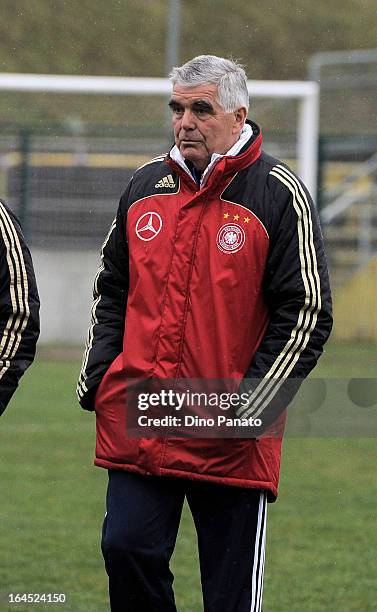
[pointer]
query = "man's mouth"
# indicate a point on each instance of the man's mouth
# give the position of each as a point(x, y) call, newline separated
point(186, 141)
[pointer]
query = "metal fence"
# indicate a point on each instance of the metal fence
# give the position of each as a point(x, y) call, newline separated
point(65, 187)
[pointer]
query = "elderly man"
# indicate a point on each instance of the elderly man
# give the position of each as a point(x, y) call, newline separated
point(19, 306)
point(213, 269)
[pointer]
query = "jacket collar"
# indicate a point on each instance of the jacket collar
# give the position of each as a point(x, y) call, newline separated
point(243, 153)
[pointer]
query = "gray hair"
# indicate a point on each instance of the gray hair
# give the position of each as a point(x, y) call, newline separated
point(227, 74)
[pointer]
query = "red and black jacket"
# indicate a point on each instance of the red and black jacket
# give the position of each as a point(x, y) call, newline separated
point(19, 306)
point(228, 280)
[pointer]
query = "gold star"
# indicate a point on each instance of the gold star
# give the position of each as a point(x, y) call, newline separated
point(247, 219)
point(226, 215)
point(236, 217)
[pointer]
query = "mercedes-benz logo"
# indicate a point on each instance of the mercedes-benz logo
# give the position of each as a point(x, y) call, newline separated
point(148, 226)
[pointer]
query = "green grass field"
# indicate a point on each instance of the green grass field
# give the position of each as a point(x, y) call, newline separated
point(321, 545)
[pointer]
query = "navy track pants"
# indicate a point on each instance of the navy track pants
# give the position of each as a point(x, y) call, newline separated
point(139, 534)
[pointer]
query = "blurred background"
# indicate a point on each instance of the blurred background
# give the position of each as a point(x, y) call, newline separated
point(65, 160)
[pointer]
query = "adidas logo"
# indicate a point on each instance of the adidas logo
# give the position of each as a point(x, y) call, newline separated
point(167, 181)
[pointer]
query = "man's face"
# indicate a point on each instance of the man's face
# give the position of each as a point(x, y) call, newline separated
point(201, 126)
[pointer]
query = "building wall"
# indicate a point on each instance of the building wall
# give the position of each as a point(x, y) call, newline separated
point(65, 282)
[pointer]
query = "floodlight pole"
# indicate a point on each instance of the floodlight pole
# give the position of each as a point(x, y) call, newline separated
point(172, 52)
point(173, 35)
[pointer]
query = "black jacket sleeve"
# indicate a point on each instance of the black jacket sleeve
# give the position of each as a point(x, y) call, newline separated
point(105, 335)
point(297, 293)
point(19, 306)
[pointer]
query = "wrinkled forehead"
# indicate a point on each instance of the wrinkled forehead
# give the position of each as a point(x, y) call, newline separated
point(207, 92)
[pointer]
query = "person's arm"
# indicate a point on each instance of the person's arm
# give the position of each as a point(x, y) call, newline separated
point(105, 335)
point(19, 306)
point(297, 293)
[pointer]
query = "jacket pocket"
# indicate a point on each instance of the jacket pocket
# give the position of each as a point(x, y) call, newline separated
point(106, 388)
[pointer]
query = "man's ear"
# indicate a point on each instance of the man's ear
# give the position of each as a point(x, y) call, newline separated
point(240, 116)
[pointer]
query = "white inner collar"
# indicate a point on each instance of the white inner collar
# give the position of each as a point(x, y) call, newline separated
point(245, 134)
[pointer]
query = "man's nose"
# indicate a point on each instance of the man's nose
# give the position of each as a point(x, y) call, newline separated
point(188, 120)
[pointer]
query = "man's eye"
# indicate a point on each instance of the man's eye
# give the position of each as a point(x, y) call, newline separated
point(202, 112)
point(176, 110)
